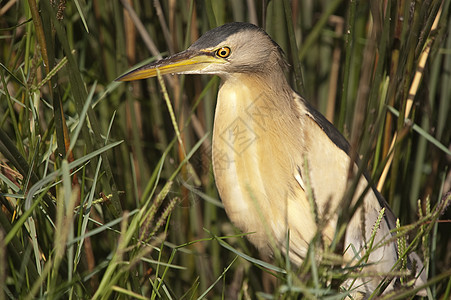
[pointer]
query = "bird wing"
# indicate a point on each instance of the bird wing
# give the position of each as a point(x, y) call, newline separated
point(329, 148)
point(340, 141)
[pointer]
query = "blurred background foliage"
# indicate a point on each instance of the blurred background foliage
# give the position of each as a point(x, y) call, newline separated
point(99, 198)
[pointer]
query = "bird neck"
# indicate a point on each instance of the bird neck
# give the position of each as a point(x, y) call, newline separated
point(270, 81)
point(255, 101)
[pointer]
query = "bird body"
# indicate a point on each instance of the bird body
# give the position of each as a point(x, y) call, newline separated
point(260, 172)
point(270, 147)
point(251, 159)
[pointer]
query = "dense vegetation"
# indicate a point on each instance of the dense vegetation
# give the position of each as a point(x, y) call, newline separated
point(102, 198)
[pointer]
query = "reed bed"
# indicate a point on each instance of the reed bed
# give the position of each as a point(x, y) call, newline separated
point(103, 199)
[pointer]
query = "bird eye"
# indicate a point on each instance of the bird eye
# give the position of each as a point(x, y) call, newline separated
point(223, 52)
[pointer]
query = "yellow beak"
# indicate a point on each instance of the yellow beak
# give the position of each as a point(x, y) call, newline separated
point(186, 62)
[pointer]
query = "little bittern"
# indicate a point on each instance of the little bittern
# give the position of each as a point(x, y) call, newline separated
point(270, 146)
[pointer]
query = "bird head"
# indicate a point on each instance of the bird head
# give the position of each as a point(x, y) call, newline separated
point(225, 50)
